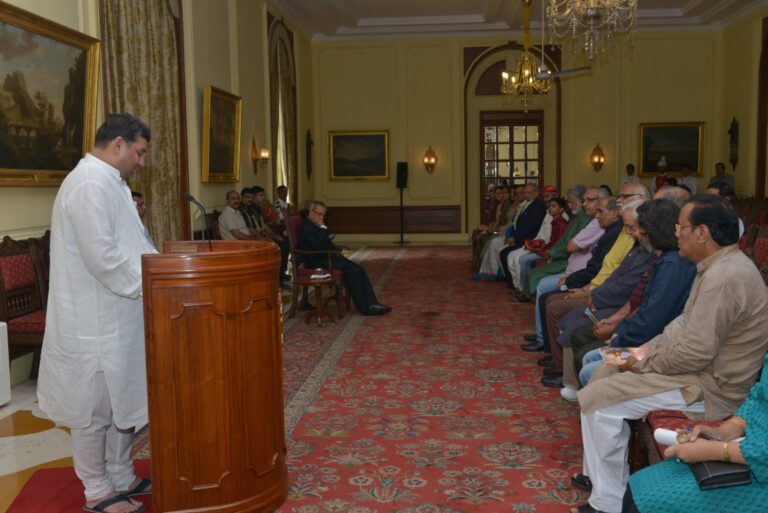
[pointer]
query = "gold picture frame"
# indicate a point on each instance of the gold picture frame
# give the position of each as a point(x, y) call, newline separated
point(679, 143)
point(359, 155)
point(221, 135)
point(49, 121)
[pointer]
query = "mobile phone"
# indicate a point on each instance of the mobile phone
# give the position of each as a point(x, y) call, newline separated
point(591, 316)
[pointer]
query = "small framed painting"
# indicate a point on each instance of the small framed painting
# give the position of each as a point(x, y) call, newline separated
point(359, 155)
point(679, 143)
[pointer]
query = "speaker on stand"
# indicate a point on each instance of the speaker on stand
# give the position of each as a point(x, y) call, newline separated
point(401, 183)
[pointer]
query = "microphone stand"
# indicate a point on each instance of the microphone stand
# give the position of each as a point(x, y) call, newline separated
point(199, 205)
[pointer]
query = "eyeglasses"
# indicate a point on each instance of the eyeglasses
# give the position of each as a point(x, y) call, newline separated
point(587, 198)
point(628, 195)
point(319, 214)
point(679, 227)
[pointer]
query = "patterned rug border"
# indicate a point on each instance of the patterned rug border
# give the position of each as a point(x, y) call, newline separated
point(307, 393)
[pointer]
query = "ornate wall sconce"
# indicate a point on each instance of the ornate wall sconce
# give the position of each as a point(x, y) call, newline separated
point(430, 159)
point(597, 158)
point(259, 157)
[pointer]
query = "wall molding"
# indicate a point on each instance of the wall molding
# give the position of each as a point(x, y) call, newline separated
point(386, 219)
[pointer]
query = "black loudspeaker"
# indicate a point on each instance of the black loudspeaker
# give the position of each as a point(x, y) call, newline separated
point(402, 175)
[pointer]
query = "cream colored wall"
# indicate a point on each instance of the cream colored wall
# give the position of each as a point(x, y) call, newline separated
point(413, 88)
point(663, 77)
point(26, 211)
point(410, 88)
point(741, 58)
point(226, 46)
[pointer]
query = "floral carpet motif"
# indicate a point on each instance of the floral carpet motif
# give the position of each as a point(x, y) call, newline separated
point(432, 408)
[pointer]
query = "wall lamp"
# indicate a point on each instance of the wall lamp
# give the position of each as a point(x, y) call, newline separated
point(259, 157)
point(597, 158)
point(430, 159)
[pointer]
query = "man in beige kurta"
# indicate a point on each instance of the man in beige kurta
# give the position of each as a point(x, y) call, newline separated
point(704, 362)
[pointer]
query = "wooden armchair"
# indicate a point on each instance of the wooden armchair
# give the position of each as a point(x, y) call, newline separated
point(298, 270)
point(23, 293)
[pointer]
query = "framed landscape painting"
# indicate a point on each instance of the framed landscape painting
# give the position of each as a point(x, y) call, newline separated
point(359, 155)
point(221, 135)
point(679, 143)
point(48, 88)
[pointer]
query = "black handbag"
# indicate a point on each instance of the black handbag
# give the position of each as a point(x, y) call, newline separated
point(720, 474)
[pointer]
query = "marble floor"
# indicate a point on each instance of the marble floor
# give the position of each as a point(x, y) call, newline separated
point(28, 442)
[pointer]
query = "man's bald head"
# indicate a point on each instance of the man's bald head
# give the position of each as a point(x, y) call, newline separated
point(673, 193)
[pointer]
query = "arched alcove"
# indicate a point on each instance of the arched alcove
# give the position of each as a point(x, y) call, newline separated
point(485, 106)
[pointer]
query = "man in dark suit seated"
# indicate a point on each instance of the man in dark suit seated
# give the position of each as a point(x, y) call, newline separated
point(526, 226)
point(314, 236)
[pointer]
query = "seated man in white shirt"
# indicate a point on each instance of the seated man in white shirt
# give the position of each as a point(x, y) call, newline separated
point(231, 223)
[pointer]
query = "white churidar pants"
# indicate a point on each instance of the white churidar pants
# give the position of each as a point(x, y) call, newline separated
point(513, 264)
point(606, 439)
point(101, 454)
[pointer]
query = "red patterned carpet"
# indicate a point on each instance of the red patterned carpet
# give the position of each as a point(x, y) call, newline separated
point(432, 408)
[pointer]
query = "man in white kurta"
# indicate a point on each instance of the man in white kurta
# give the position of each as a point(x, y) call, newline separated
point(92, 373)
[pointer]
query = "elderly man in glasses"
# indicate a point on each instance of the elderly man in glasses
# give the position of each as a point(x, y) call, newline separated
point(315, 236)
point(704, 362)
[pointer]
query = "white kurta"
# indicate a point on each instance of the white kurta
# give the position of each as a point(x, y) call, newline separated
point(95, 317)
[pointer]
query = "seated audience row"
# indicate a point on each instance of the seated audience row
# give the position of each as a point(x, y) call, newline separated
point(673, 281)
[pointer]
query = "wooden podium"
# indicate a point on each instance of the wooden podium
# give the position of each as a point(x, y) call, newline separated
point(213, 326)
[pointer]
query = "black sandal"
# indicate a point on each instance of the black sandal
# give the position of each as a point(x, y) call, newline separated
point(103, 505)
point(144, 487)
point(581, 481)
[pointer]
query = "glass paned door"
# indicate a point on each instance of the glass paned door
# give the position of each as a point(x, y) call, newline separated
point(511, 152)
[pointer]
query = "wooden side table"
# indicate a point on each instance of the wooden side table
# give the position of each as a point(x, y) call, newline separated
point(320, 312)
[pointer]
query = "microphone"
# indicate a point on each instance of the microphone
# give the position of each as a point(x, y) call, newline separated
point(200, 206)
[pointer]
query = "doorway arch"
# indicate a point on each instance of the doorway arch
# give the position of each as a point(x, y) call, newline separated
point(482, 86)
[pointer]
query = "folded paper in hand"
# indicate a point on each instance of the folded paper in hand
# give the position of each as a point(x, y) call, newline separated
point(320, 276)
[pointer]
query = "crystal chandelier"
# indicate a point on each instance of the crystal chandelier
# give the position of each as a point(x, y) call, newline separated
point(590, 22)
point(523, 81)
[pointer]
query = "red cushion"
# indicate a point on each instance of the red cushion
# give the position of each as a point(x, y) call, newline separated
point(669, 419)
point(34, 321)
point(760, 251)
point(17, 271)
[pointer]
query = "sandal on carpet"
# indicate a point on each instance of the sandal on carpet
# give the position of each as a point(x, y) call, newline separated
point(582, 481)
point(103, 505)
point(144, 487)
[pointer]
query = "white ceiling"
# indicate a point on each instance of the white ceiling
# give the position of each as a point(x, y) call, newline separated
point(336, 19)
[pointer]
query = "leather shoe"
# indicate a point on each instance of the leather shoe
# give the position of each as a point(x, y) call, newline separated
point(533, 347)
point(551, 371)
point(531, 337)
point(546, 361)
point(520, 297)
point(581, 481)
point(552, 381)
point(377, 309)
